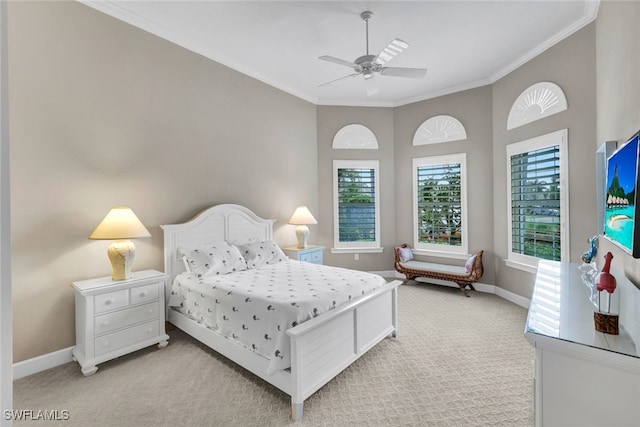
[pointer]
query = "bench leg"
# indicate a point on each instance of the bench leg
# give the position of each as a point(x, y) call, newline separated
point(463, 288)
point(408, 279)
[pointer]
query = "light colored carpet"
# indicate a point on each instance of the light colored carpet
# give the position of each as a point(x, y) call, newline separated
point(457, 362)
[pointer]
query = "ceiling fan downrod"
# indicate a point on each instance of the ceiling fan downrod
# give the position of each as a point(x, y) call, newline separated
point(366, 17)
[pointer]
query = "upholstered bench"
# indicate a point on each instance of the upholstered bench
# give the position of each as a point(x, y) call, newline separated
point(463, 276)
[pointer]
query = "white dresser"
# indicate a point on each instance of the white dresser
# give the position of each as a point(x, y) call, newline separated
point(582, 377)
point(114, 318)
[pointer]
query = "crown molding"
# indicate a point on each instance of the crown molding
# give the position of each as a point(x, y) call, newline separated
point(590, 14)
point(442, 92)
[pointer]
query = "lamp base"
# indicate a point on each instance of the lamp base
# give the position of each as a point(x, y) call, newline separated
point(302, 233)
point(121, 254)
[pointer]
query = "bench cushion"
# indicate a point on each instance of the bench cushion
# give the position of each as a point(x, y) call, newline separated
point(431, 266)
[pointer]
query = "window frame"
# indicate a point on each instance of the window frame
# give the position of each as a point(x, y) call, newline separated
point(432, 248)
point(558, 138)
point(356, 247)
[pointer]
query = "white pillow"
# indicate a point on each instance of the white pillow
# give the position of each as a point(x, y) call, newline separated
point(405, 254)
point(258, 254)
point(214, 259)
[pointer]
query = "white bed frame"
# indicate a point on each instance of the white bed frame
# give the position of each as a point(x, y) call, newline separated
point(321, 348)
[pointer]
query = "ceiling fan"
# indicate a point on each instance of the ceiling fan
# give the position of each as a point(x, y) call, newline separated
point(367, 65)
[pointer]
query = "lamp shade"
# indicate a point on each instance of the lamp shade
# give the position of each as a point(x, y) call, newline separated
point(120, 223)
point(302, 216)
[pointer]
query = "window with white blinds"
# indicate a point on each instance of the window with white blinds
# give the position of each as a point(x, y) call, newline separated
point(439, 187)
point(356, 204)
point(537, 199)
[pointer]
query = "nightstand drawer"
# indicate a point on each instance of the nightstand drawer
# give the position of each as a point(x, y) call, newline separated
point(312, 254)
point(111, 301)
point(123, 318)
point(312, 257)
point(127, 337)
point(142, 294)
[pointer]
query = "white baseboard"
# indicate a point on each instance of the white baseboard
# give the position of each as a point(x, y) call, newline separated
point(514, 298)
point(60, 357)
point(41, 363)
point(387, 273)
point(481, 287)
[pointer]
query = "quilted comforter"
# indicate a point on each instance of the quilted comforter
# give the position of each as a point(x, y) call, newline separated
point(255, 307)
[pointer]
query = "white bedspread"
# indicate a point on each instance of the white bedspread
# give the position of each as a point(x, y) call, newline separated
point(255, 307)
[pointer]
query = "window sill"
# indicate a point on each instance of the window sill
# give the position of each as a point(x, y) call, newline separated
point(357, 250)
point(521, 266)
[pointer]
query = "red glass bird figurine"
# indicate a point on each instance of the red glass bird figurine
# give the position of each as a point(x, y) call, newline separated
point(605, 281)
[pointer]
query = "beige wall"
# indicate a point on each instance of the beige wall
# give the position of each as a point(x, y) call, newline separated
point(380, 121)
point(571, 65)
point(473, 109)
point(104, 114)
point(618, 92)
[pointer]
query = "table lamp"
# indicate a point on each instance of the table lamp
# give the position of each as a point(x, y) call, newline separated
point(301, 217)
point(120, 224)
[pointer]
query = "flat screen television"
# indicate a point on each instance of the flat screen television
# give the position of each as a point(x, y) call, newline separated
point(622, 219)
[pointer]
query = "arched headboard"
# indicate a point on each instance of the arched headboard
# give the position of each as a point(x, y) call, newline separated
point(233, 223)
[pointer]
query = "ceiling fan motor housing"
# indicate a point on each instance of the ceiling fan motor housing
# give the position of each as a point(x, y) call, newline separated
point(365, 62)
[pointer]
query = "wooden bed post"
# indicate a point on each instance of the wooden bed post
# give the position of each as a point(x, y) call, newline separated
point(296, 410)
point(297, 399)
point(394, 312)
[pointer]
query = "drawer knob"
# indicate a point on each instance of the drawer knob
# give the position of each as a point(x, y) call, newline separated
point(149, 330)
point(143, 293)
point(106, 323)
point(150, 311)
point(106, 344)
point(108, 302)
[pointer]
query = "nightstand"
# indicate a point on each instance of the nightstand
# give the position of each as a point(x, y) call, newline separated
point(312, 254)
point(116, 317)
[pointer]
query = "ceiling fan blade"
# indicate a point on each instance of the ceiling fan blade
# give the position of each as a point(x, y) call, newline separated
point(338, 61)
point(341, 78)
point(371, 85)
point(393, 49)
point(414, 73)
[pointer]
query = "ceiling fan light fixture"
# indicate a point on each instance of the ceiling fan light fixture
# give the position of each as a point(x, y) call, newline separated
point(367, 74)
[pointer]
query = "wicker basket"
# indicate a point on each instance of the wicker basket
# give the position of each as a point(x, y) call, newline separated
point(607, 323)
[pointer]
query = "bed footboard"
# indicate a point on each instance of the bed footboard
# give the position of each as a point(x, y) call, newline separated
point(323, 347)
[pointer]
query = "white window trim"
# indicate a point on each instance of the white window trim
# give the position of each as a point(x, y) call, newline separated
point(355, 247)
point(430, 248)
point(560, 138)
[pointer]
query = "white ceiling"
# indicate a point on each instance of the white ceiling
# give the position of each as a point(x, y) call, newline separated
point(463, 44)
